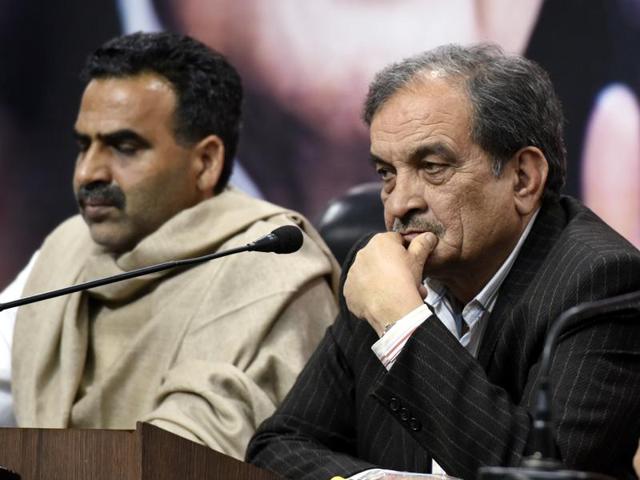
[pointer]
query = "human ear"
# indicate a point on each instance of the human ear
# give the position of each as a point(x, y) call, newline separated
point(530, 176)
point(208, 160)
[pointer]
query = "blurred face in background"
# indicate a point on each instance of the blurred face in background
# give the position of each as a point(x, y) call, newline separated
point(317, 58)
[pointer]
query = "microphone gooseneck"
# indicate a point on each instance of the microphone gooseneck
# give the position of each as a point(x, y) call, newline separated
point(287, 239)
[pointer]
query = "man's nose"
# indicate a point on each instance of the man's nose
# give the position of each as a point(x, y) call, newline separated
point(407, 194)
point(93, 165)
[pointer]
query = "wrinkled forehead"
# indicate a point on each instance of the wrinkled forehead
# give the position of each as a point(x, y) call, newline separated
point(427, 108)
point(435, 86)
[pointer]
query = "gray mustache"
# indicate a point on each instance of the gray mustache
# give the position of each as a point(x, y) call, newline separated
point(413, 221)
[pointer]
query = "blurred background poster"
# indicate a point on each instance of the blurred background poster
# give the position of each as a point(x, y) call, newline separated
point(306, 66)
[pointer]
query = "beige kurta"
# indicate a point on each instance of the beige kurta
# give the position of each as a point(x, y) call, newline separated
point(206, 352)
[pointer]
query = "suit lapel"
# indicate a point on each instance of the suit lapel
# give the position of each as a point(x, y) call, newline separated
point(547, 228)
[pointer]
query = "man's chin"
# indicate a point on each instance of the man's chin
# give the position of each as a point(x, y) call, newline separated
point(109, 237)
point(435, 265)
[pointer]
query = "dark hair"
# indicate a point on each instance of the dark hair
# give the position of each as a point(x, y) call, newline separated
point(513, 101)
point(208, 89)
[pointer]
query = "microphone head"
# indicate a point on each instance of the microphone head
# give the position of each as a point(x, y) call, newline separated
point(287, 239)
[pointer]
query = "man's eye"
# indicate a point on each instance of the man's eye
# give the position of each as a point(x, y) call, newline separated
point(431, 167)
point(82, 146)
point(126, 148)
point(384, 173)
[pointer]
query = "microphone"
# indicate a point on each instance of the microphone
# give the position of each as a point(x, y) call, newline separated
point(287, 239)
point(543, 463)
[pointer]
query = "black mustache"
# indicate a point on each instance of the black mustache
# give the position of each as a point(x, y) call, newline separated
point(102, 193)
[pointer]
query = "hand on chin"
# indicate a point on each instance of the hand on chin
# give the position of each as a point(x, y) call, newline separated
point(384, 282)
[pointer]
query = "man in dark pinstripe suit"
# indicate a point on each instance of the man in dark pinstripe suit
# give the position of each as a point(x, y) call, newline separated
point(432, 363)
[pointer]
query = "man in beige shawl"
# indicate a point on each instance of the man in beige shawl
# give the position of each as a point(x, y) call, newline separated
point(207, 352)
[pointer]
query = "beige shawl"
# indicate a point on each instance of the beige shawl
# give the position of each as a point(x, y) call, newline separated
point(206, 352)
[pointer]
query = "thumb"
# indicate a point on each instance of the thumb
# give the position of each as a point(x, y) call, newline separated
point(420, 248)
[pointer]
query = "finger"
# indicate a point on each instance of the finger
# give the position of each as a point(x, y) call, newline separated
point(394, 237)
point(382, 241)
point(421, 247)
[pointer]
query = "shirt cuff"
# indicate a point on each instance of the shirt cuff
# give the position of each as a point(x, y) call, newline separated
point(391, 343)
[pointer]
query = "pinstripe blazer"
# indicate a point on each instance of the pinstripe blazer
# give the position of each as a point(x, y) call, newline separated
point(346, 413)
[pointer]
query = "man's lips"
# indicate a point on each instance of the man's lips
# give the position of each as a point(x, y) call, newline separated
point(409, 235)
point(96, 210)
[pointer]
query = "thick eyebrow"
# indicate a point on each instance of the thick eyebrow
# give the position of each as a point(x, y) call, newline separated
point(421, 152)
point(115, 138)
point(125, 135)
point(438, 148)
point(80, 137)
point(375, 160)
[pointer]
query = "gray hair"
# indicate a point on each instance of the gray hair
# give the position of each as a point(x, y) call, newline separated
point(514, 104)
